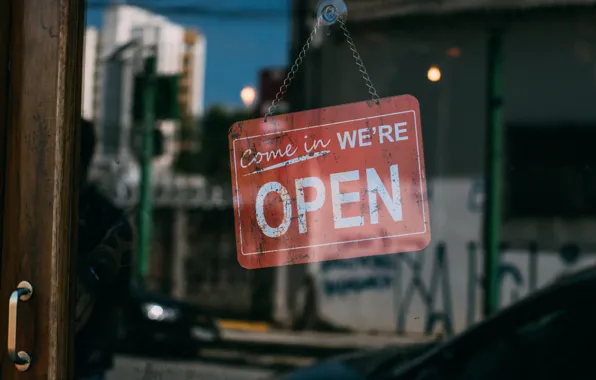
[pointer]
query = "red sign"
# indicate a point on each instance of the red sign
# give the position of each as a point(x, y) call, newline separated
point(333, 183)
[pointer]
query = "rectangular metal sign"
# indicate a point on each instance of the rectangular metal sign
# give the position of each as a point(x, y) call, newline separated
point(333, 183)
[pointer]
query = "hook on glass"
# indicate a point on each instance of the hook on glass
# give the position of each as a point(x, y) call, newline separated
point(21, 359)
point(329, 11)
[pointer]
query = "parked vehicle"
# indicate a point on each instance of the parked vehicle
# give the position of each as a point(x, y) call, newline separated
point(549, 335)
point(359, 365)
point(153, 321)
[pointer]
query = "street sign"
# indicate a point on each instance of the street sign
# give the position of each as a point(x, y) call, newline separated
point(333, 183)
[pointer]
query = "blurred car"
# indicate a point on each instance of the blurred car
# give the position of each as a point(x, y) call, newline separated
point(549, 335)
point(155, 321)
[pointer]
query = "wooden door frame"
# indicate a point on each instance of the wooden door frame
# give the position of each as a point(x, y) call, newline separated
point(4, 46)
point(41, 45)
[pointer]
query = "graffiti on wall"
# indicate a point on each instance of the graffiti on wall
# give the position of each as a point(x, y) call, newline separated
point(435, 291)
point(357, 284)
point(439, 287)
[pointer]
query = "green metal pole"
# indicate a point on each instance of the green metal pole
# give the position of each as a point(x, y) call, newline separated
point(494, 172)
point(145, 206)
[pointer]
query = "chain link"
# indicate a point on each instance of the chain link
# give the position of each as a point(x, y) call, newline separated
point(371, 88)
point(293, 71)
point(284, 87)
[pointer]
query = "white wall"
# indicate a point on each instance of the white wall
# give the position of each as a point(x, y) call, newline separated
point(89, 67)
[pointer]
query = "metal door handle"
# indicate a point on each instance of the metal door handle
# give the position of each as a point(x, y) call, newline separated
point(21, 360)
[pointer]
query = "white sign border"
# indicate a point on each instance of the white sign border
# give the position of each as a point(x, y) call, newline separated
point(237, 195)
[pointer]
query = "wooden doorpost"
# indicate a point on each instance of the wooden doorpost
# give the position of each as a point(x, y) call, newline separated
point(43, 42)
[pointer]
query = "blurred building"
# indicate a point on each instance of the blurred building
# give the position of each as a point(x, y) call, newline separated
point(549, 87)
point(130, 33)
point(114, 57)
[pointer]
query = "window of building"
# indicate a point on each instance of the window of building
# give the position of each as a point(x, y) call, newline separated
point(550, 172)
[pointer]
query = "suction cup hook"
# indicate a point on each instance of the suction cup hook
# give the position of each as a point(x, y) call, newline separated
point(329, 11)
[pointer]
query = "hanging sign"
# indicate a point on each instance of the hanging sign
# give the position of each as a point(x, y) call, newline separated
point(333, 183)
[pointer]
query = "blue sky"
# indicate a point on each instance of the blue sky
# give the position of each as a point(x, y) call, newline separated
point(236, 49)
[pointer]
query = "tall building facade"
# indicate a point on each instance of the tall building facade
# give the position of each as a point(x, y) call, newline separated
point(189, 90)
point(128, 32)
point(193, 73)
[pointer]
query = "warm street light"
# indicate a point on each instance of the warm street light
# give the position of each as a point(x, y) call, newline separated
point(248, 95)
point(434, 74)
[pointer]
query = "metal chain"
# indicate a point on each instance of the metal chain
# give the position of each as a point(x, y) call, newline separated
point(371, 89)
point(293, 71)
point(284, 87)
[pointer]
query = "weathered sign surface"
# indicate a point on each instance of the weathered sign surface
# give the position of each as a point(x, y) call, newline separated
point(338, 182)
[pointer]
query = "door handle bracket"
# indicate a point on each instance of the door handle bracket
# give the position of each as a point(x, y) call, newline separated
point(21, 359)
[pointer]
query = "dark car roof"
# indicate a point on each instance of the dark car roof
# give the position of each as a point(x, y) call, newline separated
point(376, 360)
point(367, 10)
point(573, 289)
